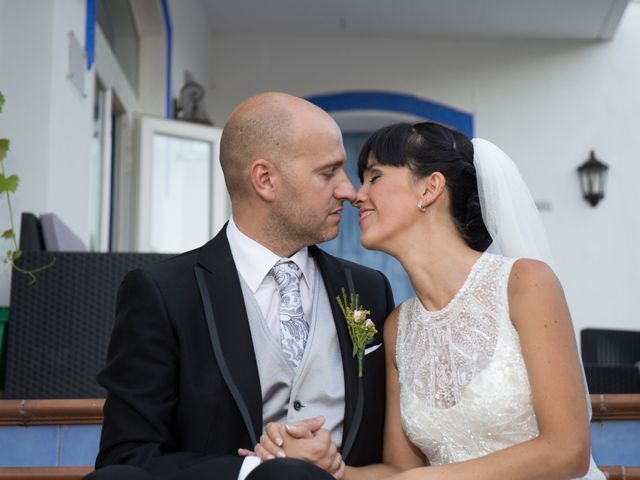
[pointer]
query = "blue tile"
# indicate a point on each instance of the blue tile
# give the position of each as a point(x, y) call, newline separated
point(616, 442)
point(79, 444)
point(35, 446)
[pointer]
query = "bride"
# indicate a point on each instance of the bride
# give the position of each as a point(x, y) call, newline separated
point(483, 372)
point(483, 375)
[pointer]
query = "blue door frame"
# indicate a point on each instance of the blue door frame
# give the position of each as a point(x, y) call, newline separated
point(347, 244)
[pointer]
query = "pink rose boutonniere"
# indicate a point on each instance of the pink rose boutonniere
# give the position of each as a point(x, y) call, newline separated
point(361, 327)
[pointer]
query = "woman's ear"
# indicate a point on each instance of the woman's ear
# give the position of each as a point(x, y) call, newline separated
point(433, 187)
point(262, 174)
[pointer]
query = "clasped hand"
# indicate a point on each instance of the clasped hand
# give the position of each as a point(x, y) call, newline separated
point(305, 440)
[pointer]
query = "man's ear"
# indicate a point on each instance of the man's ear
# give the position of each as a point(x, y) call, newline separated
point(263, 179)
point(433, 187)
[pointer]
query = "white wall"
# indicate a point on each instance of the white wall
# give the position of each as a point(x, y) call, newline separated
point(191, 44)
point(44, 113)
point(70, 124)
point(545, 103)
point(25, 118)
point(49, 123)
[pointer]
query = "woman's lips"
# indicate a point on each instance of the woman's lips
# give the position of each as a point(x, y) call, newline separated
point(364, 213)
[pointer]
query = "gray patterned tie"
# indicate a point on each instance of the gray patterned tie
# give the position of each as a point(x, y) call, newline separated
point(294, 330)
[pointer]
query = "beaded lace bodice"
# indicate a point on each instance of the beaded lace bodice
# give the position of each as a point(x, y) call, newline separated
point(464, 390)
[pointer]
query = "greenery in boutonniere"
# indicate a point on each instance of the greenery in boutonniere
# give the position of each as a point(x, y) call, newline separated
point(8, 186)
point(361, 327)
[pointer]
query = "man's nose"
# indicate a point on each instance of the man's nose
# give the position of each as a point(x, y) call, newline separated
point(345, 190)
point(360, 196)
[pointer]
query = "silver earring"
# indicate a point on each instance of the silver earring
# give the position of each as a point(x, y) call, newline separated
point(421, 206)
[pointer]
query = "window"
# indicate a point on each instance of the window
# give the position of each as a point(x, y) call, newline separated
point(118, 26)
point(98, 158)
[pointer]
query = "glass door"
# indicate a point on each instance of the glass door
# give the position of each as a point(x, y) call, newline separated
point(182, 200)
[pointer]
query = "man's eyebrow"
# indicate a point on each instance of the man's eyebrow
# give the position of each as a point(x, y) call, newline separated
point(331, 164)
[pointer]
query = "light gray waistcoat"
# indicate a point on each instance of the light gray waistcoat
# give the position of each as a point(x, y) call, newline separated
point(318, 385)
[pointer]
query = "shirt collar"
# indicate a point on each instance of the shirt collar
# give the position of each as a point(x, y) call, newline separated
point(254, 261)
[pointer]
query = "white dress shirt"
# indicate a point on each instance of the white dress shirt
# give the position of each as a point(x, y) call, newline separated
point(254, 262)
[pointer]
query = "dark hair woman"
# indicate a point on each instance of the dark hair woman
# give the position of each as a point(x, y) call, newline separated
point(483, 375)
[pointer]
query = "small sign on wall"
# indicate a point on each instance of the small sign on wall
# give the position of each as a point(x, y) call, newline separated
point(77, 59)
point(543, 205)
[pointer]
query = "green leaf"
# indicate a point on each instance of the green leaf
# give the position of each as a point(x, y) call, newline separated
point(9, 184)
point(8, 234)
point(4, 148)
point(1, 101)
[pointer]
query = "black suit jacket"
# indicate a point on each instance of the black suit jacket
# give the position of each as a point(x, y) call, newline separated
point(183, 386)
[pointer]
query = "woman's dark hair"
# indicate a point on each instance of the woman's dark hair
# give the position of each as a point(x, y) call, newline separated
point(426, 148)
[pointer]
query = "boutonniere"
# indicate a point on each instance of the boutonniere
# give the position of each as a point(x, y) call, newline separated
point(361, 327)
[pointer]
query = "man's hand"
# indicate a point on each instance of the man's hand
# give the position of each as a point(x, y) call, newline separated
point(271, 440)
point(304, 440)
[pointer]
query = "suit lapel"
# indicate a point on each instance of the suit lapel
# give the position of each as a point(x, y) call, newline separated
point(229, 331)
point(336, 278)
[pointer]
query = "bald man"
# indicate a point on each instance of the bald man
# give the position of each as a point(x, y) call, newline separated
point(210, 346)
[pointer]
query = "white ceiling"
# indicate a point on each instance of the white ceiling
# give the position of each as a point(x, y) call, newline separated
point(446, 19)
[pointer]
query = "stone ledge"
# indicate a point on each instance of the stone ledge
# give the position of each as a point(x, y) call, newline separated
point(49, 412)
point(610, 406)
point(620, 472)
point(89, 411)
point(77, 473)
point(44, 473)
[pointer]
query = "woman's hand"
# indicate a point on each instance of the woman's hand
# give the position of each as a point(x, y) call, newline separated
point(304, 440)
point(272, 439)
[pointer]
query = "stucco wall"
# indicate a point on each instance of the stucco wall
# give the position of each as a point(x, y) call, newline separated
point(545, 103)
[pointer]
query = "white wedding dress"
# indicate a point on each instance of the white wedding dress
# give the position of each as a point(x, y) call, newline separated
point(464, 390)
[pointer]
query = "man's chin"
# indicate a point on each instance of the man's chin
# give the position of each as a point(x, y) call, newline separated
point(328, 234)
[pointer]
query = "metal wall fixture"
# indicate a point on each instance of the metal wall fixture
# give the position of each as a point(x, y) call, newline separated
point(593, 179)
point(190, 105)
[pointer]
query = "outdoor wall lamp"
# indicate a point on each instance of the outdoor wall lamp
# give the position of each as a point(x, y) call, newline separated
point(593, 179)
point(188, 107)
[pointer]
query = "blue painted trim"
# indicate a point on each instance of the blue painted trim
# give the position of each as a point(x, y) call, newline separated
point(29, 446)
point(615, 442)
point(79, 444)
point(166, 17)
point(395, 102)
point(49, 445)
point(90, 33)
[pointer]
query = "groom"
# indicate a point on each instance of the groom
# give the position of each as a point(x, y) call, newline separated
point(211, 345)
